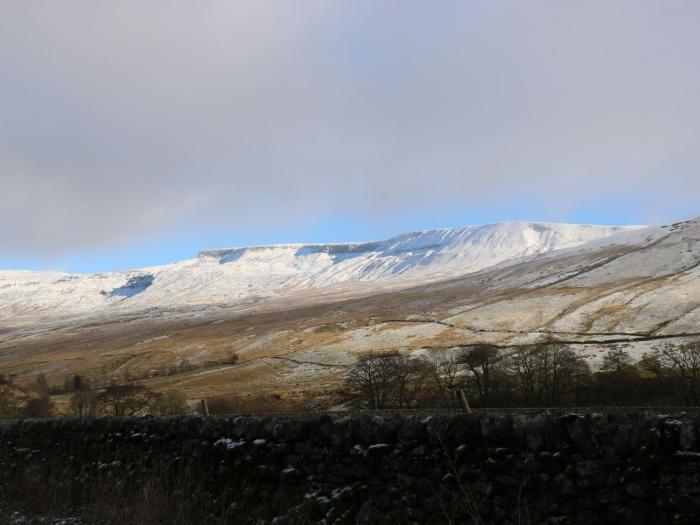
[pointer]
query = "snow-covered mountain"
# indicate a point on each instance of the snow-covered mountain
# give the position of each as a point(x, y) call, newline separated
point(253, 274)
point(297, 315)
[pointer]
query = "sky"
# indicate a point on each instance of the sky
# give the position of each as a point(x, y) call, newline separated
point(137, 133)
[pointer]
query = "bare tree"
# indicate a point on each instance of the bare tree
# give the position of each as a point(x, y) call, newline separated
point(525, 364)
point(445, 369)
point(616, 360)
point(388, 379)
point(545, 373)
point(681, 363)
point(486, 364)
point(373, 378)
point(411, 376)
point(126, 399)
point(170, 403)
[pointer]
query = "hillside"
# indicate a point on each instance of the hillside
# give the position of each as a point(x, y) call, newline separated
point(315, 308)
point(248, 275)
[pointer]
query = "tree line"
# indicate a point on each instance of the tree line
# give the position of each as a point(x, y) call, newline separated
point(546, 374)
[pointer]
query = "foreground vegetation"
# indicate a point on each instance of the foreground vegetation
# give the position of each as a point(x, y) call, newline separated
point(540, 375)
point(548, 374)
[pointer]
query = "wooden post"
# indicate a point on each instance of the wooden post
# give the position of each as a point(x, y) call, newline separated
point(205, 407)
point(463, 402)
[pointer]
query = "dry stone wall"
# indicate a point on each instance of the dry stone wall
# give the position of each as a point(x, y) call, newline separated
point(579, 469)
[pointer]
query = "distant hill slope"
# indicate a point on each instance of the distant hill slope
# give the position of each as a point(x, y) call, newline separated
point(254, 274)
point(644, 282)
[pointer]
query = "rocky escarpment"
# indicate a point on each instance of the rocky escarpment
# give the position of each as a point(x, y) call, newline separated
point(595, 468)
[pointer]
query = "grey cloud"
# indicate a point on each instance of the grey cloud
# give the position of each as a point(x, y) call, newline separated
point(124, 118)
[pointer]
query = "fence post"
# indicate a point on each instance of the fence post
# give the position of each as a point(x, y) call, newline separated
point(463, 402)
point(205, 407)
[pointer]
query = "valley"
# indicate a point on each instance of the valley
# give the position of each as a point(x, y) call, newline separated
point(630, 289)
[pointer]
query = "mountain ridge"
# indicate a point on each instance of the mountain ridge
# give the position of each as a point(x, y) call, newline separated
point(372, 244)
point(259, 273)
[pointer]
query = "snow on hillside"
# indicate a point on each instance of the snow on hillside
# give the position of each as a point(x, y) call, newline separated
point(239, 275)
